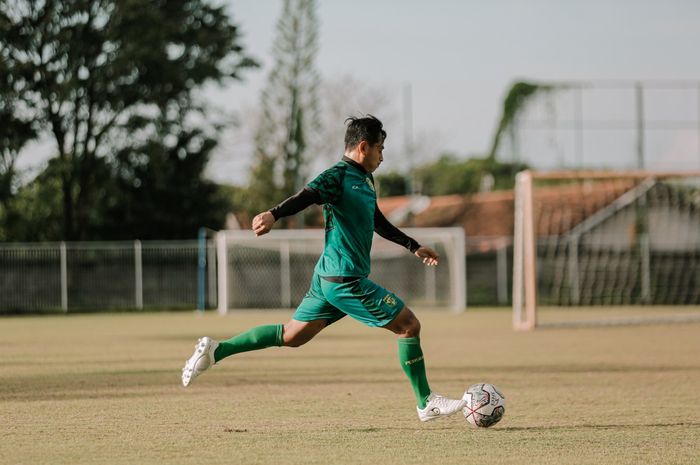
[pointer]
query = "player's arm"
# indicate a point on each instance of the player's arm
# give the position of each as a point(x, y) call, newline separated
point(388, 231)
point(262, 223)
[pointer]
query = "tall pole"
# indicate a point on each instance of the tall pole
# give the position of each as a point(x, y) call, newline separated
point(138, 275)
point(643, 242)
point(408, 137)
point(578, 118)
point(201, 269)
point(64, 276)
point(639, 93)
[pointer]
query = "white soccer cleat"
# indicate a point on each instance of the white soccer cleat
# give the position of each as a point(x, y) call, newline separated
point(201, 360)
point(438, 406)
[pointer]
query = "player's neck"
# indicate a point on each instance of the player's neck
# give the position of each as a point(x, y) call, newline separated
point(352, 158)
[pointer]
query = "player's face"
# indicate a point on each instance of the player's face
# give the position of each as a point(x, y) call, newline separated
point(374, 156)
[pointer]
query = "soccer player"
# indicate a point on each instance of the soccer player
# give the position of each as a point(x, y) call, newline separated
point(339, 285)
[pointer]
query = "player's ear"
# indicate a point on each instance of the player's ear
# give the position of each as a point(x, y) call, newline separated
point(362, 147)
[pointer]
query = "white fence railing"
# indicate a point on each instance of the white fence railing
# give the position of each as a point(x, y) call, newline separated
point(131, 275)
point(81, 276)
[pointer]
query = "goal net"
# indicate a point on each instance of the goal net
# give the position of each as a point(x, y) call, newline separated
point(274, 270)
point(600, 248)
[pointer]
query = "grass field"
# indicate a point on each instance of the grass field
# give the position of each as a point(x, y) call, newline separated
point(105, 389)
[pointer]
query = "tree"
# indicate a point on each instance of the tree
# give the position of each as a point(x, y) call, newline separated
point(15, 131)
point(449, 175)
point(391, 184)
point(14, 134)
point(290, 117)
point(518, 96)
point(98, 75)
point(156, 195)
point(346, 96)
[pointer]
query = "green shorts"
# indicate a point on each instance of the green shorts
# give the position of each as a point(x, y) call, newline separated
point(362, 299)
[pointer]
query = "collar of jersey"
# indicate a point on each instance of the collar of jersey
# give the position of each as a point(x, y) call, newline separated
point(352, 162)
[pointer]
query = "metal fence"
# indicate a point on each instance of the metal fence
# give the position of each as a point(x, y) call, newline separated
point(88, 276)
point(105, 276)
point(275, 270)
point(612, 124)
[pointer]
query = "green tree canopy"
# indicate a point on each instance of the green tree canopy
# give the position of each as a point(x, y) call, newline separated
point(100, 78)
point(516, 99)
point(289, 108)
point(450, 175)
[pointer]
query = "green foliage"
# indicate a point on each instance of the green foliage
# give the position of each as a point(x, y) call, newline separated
point(155, 194)
point(517, 97)
point(15, 131)
point(99, 76)
point(289, 109)
point(391, 184)
point(449, 175)
point(35, 213)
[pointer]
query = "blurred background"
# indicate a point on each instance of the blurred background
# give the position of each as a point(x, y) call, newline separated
point(162, 121)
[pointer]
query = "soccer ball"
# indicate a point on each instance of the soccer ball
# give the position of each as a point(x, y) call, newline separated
point(485, 405)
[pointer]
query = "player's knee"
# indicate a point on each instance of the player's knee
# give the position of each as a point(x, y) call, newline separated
point(294, 343)
point(413, 328)
point(294, 339)
point(407, 324)
point(295, 334)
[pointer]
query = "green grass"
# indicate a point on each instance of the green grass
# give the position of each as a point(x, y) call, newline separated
point(91, 389)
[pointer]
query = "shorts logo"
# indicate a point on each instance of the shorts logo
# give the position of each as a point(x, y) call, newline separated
point(389, 300)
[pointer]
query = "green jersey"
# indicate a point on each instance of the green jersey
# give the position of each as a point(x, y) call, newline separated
point(349, 200)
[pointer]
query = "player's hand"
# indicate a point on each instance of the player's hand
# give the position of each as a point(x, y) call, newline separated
point(262, 223)
point(429, 256)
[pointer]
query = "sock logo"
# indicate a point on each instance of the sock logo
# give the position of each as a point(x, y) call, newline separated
point(415, 360)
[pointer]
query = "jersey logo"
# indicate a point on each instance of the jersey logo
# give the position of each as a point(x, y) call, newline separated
point(389, 300)
point(368, 182)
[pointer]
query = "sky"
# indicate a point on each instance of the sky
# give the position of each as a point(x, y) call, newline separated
point(460, 57)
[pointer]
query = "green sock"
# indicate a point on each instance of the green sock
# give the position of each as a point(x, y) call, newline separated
point(256, 338)
point(411, 357)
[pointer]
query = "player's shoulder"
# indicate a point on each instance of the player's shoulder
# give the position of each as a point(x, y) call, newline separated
point(335, 172)
point(329, 184)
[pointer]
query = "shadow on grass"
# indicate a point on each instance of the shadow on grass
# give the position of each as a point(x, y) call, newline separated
point(93, 385)
point(572, 368)
point(597, 427)
point(153, 383)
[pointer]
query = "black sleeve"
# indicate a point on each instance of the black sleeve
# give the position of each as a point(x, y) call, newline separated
point(296, 203)
point(390, 232)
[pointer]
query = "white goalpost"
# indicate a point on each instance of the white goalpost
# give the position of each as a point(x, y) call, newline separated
point(274, 270)
point(603, 248)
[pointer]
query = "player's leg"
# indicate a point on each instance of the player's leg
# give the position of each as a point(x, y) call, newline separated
point(407, 327)
point(294, 333)
point(312, 315)
point(297, 333)
point(374, 306)
point(209, 351)
point(430, 405)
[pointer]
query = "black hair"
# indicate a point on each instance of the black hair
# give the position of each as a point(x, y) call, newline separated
point(366, 128)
